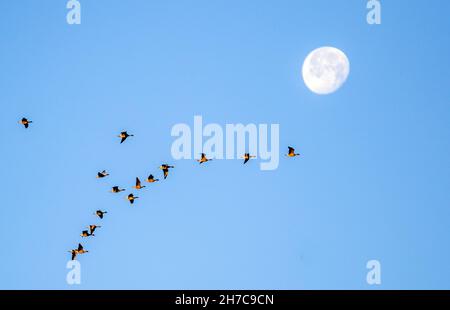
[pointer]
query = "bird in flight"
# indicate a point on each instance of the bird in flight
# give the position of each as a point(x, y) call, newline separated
point(131, 198)
point(165, 168)
point(25, 122)
point(138, 184)
point(102, 174)
point(116, 189)
point(85, 234)
point(151, 179)
point(124, 135)
point(292, 152)
point(100, 213)
point(247, 157)
point(79, 250)
point(203, 159)
point(92, 229)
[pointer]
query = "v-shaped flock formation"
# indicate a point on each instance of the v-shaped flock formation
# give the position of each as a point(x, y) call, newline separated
point(138, 185)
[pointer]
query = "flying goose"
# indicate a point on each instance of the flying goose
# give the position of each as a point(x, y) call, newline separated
point(247, 157)
point(25, 122)
point(292, 152)
point(165, 168)
point(131, 198)
point(92, 229)
point(151, 179)
point(116, 189)
point(102, 174)
point(124, 135)
point(100, 213)
point(138, 184)
point(203, 159)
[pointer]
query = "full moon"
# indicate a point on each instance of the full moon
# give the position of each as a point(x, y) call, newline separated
point(325, 70)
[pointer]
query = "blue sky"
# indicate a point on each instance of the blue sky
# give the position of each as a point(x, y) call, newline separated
point(372, 183)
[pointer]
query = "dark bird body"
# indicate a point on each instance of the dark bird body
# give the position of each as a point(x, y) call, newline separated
point(25, 122)
point(247, 157)
point(203, 159)
point(100, 213)
point(102, 174)
point(85, 234)
point(124, 135)
point(116, 189)
point(80, 250)
point(138, 184)
point(131, 198)
point(165, 168)
point(291, 152)
point(92, 228)
point(151, 179)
